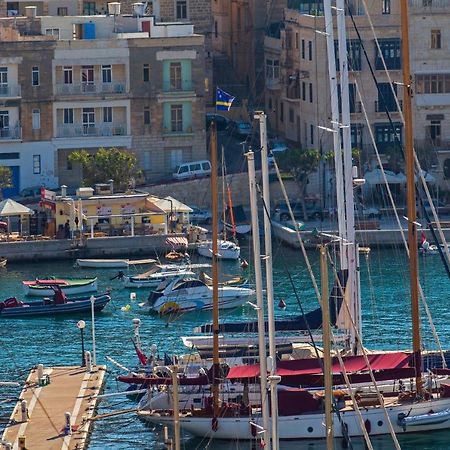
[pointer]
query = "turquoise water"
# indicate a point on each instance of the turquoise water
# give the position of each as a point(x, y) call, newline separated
point(386, 324)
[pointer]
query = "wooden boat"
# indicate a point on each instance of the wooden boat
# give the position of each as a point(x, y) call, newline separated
point(111, 263)
point(70, 286)
point(3, 262)
point(59, 304)
point(176, 256)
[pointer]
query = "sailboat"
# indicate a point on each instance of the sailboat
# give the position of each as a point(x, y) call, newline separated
point(301, 413)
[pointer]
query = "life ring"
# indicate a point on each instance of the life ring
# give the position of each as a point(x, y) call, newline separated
point(169, 308)
point(214, 423)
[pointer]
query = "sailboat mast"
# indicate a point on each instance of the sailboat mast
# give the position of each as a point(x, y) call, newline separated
point(215, 268)
point(410, 195)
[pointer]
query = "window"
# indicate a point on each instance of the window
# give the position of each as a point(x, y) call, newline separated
point(3, 80)
point(433, 83)
point(146, 72)
point(4, 120)
point(353, 55)
point(291, 115)
point(176, 158)
point(89, 9)
point(434, 132)
point(68, 115)
point(386, 7)
point(36, 164)
point(296, 41)
point(303, 49)
point(356, 135)
point(272, 69)
point(385, 135)
point(351, 99)
point(36, 119)
point(12, 9)
point(52, 32)
point(175, 76)
point(386, 99)
point(87, 78)
point(35, 76)
point(62, 11)
point(146, 115)
point(88, 121)
point(390, 49)
point(270, 103)
point(435, 39)
point(176, 118)
point(447, 169)
point(427, 2)
point(216, 30)
point(310, 92)
point(311, 134)
point(281, 112)
point(68, 75)
point(181, 9)
point(107, 73)
point(303, 91)
point(107, 114)
point(310, 50)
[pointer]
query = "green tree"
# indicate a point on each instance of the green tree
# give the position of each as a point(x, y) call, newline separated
point(5, 179)
point(300, 163)
point(105, 164)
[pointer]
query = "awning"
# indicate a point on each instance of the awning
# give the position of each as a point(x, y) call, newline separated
point(10, 207)
point(177, 241)
point(376, 177)
point(352, 364)
point(168, 204)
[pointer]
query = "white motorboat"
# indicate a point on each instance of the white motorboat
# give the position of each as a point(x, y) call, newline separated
point(183, 294)
point(111, 263)
point(226, 249)
point(154, 277)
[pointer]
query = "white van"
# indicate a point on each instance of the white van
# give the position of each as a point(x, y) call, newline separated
point(194, 169)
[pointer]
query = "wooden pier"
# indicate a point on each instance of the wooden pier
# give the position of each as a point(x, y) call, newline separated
point(70, 390)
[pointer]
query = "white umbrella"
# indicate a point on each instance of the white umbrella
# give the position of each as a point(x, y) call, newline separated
point(9, 208)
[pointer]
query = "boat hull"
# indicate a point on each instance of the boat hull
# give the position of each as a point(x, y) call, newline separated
point(74, 289)
point(154, 280)
point(310, 426)
point(227, 250)
point(103, 263)
point(71, 307)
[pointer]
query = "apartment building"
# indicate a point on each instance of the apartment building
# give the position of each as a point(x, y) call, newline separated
point(297, 81)
point(86, 82)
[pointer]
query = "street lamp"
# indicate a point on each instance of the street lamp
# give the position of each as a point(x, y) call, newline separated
point(81, 325)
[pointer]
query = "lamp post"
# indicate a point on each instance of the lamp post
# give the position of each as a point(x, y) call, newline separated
point(171, 215)
point(81, 324)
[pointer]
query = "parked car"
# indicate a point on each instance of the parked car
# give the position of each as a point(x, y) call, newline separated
point(313, 210)
point(222, 122)
point(200, 215)
point(240, 128)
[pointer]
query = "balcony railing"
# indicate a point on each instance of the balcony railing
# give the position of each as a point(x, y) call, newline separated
point(178, 86)
point(431, 6)
point(391, 107)
point(10, 133)
point(432, 144)
point(116, 87)
point(10, 90)
point(67, 131)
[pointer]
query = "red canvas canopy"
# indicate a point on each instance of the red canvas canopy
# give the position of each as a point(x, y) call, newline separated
point(392, 362)
point(201, 380)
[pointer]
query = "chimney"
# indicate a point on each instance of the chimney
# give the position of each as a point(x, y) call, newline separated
point(111, 186)
point(63, 190)
point(30, 11)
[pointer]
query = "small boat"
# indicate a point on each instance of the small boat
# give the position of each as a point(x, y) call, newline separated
point(153, 277)
point(236, 220)
point(185, 294)
point(70, 286)
point(59, 304)
point(3, 262)
point(111, 263)
point(176, 256)
point(226, 249)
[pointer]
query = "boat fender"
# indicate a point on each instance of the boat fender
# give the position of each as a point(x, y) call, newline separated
point(368, 426)
point(214, 424)
point(401, 420)
point(253, 429)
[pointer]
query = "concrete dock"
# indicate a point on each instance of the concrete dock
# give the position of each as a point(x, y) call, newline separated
point(70, 390)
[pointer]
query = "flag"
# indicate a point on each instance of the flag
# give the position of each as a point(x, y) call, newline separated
point(223, 100)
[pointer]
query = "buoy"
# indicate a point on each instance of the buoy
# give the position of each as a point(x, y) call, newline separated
point(126, 308)
point(282, 304)
point(244, 264)
point(132, 295)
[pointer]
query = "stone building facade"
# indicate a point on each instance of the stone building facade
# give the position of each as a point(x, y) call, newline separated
point(77, 83)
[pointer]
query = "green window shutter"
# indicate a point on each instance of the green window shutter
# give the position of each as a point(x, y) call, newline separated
point(186, 74)
point(166, 117)
point(187, 117)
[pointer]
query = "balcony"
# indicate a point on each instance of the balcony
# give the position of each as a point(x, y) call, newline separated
point(70, 131)
point(391, 106)
point(432, 144)
point(93, 89)
point(10, 134)
point(10, 91)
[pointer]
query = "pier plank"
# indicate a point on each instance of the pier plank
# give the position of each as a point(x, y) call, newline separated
point(71, 389)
